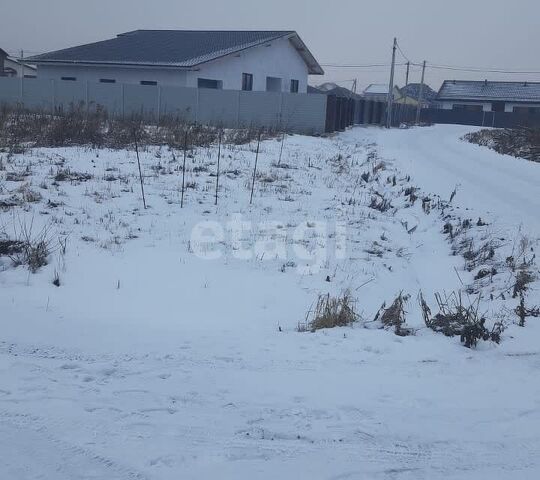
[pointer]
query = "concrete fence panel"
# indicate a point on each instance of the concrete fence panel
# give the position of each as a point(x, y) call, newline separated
point(108, 96)
point(10, 90)
point(179, 102)
point(259, 109)
point(218, 107)
point(69, 93)
point(141, 100)
point(303, 113)
point(39, 94)
point(296, 113)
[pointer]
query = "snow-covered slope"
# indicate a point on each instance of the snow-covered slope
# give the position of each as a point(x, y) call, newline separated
point(168, 353)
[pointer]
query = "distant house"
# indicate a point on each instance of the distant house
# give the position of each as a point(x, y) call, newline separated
point(330, 88)
point(11, 67)
point(378, 92)
point(521, 97)
point(3, 56)
point(412, 93)
point(276, 61)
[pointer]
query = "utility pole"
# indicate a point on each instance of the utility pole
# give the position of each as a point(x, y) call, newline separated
point(421, 94)
point(390, 99)
point(407, 75)
point(22, 76)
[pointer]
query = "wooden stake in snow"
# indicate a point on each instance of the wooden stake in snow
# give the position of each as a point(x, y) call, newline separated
point(140, 171)
point(255, 168)
point(218, 158)
point(184, 170)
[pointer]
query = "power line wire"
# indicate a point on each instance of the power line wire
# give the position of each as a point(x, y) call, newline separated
point(372, 65)
point(478, 69)
point(402, 54)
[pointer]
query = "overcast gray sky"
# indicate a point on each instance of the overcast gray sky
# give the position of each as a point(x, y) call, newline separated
point(500, 34)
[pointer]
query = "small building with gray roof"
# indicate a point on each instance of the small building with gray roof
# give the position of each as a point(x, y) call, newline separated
point(488, 96)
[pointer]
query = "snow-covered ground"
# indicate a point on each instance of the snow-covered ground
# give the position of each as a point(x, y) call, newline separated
point(170, 349)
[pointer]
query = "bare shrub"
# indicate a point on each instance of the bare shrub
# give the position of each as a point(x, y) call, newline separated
point(524, 312)
point(393, 317)
point(380, 203)
point(457, 319)
point(331, 312)
point(524, 278)
point(31, 248)
point(519, 142)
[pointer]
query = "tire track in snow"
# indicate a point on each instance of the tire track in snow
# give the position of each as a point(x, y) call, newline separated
point(66, 450)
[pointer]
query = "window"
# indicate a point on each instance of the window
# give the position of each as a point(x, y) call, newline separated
point(69, 79)
point(527, 110)
point(107, 80)
point(497, 106)
point(273, 84)
point(208, 83)
point(294, 86)
point(148, 82)
point(247, 82)
point(467, 108)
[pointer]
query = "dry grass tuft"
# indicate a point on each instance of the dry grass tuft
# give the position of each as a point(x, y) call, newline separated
point(331, 312)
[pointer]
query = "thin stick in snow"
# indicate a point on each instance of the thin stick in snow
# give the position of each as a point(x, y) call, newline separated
point(218, 158)
point(255, 168)
point(281, 149)
point(140, 171)
point(184, 170)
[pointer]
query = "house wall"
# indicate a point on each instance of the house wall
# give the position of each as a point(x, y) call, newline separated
point(280, 59)
point(163, 76)
point(447, 105)
point(509, 107)
point(487, 106)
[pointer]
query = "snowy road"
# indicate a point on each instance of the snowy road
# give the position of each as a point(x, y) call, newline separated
point(506, 188)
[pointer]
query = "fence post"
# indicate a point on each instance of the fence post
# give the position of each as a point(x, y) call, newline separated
point(53, 104)
point(280, 121)
point(21, 89)
point(158, 103)
point(198, 105)
point(238, 110)
point(123, 100)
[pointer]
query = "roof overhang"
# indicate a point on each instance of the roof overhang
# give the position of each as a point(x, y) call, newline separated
point(487, 99)
point(313, 66)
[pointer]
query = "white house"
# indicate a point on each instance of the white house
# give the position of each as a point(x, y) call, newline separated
point(276, 61)
point(10, 67)
point(519, 97)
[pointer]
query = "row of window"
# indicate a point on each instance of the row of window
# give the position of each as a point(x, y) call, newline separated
point(110, 80)
point(480, 108)
point(273, 84)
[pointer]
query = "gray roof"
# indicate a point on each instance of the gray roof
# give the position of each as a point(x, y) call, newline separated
point(413, 90)
point(172, 48)
point(484, 90)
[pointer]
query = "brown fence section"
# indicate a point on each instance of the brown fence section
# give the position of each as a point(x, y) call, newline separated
point(480, 119)
point(343, 112)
